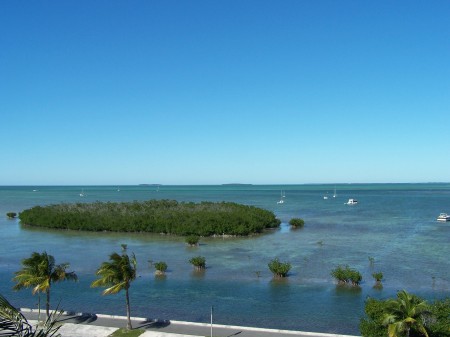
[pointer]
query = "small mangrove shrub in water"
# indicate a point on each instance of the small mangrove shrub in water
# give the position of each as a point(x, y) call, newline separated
point(199, 262)
point(378, 276)
point(192, 240)
point(347, 275)
point(160, 267)
point(297, 222)
point(279, 269)
point(11, 215)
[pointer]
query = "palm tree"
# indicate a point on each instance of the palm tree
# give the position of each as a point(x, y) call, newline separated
point(14, 323)
point(117, 275)
point(40, 271)
point(405, 313)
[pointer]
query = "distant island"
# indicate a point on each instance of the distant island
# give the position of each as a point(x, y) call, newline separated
point(150, 185)
point(237, 184)
point(154, 216)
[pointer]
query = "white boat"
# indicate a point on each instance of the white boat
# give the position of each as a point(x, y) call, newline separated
point(334, 194)
point(282, 198)
point(82, 193)
point(443, 217)
point(325, 197)
point(351, 202)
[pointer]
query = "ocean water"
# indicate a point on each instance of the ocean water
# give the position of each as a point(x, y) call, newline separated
point(393, 224)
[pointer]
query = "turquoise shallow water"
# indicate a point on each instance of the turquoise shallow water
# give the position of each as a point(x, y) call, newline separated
point(393, 223)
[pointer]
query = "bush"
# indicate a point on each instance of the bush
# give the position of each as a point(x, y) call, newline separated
point(199, 262)
point(279, 269)
point(192, 240)
point(378, 276)
point(346, 275)
point(160, 267)
point(297, 222)
point(11, 215)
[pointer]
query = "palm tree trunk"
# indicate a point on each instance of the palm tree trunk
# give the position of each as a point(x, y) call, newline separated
point(128, 309)
point(47, 305)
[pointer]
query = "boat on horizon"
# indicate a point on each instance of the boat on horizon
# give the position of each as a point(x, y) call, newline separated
point(443, 217)
point(351, 202)
point(282, 198)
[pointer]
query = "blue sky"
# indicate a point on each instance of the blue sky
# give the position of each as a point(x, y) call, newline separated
point(211, 92)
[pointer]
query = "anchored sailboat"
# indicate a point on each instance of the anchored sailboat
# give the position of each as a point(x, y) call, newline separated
point(282, 198)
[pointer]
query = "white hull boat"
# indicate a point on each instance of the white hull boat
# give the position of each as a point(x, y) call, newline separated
point(443, 217)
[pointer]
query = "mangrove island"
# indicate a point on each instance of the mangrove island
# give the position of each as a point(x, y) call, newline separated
point(154, 216)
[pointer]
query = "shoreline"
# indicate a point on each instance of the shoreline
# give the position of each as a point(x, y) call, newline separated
point(181, 327)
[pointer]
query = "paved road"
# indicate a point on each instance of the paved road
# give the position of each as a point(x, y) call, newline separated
point(91, 325)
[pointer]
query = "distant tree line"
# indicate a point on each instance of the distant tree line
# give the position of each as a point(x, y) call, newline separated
point(154, 216)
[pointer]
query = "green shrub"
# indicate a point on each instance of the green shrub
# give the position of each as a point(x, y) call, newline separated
point(297, 222)
point(199, 262)
point(192, 240)
point(160, 267)
point(279, 269)
point(11, 215)
point(378, 276)
point(346, 275)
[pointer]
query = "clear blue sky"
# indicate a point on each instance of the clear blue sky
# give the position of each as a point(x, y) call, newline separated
point(211, 92)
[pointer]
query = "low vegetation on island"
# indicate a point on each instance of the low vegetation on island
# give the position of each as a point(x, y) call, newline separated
point(154, 216)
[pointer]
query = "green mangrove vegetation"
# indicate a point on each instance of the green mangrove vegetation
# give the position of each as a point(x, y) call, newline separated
point(279, 269)
point(154, 216)
point(11, 215)
point(192, 240)
point(378, 277)
point(297, 222)
point(346, 275)
point(199, 262)
point(160, 267)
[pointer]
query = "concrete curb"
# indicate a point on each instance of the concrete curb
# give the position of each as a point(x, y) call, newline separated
point(274, 331)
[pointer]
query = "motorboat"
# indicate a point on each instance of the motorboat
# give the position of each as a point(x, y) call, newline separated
point(443, 217)
point(351, 202)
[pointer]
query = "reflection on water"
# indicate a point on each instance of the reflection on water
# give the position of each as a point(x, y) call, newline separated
point(392, 224)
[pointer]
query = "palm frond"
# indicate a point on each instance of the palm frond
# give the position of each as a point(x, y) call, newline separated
point(14, 323)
